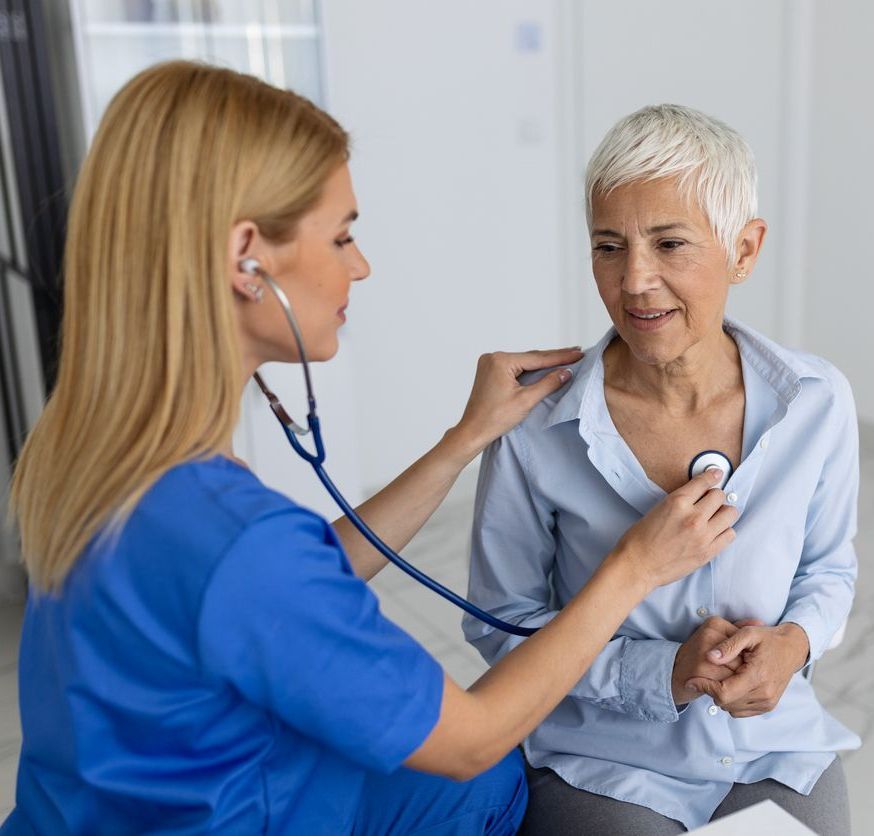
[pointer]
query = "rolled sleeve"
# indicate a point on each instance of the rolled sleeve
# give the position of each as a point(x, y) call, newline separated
point(645, 677)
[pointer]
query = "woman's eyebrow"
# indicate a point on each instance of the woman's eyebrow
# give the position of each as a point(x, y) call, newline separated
point(352, 216)
point(655, 230)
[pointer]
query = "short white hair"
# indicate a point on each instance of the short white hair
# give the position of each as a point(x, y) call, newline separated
point(712, 161)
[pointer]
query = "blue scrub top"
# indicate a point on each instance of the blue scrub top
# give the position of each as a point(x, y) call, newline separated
point(216, 666)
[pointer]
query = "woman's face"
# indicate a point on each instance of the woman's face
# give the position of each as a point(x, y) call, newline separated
point(315, 270)
point(660, 272)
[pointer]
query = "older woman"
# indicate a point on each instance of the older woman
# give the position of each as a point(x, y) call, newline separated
point(670, 727)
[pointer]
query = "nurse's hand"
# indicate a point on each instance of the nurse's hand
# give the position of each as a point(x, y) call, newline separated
point(688, 528)
point(769, 658)
point(692, 660)
point(498, 402)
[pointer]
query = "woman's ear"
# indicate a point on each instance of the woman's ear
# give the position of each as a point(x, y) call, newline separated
point(243, 242)
point(749, 243)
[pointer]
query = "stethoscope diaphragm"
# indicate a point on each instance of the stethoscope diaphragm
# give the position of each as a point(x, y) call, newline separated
point(709, 459)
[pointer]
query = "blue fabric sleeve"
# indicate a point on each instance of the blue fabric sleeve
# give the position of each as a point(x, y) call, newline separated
point(823, 587)
point(286, 622)
point(512, 555)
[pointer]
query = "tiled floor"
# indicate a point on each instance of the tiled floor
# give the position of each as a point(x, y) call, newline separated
point(844, 678)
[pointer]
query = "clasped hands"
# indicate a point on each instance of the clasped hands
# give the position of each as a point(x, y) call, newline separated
point(745, 667)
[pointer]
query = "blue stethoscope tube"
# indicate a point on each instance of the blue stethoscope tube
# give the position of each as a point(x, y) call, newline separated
point(292, 430)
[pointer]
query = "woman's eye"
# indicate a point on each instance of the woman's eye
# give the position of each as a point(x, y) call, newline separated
point(671, 245)
point(343, 242)
point(606, 249)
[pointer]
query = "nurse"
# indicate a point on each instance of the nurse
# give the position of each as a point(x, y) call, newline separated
point(199, 653)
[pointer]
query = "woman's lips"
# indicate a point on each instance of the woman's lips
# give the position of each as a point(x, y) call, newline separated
point(650, 319)
point(341, 312)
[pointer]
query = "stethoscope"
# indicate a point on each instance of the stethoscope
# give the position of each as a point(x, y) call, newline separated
point(703, 461)
point(711, 460)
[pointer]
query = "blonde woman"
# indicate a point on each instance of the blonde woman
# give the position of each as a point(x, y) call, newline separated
point(199, 653)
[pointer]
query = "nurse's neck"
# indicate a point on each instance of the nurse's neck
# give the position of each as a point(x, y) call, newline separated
point(701, 377)
point(227, 449)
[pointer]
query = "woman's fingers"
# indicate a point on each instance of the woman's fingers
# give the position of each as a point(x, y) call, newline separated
point(730, 648)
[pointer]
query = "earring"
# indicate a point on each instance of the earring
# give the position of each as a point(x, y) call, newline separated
point(255, 290)
point(741, 274)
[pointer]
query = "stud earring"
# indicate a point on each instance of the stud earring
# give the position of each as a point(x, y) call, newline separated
point(255, 290)
point(741, 274)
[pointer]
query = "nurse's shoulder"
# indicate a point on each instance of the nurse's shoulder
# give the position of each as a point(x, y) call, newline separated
point(186, 525)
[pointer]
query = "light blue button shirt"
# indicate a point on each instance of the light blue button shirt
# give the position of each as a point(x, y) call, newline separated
point(556, 494)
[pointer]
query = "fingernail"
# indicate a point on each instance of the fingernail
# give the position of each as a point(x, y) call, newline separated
point(565, 375)
point(716, 471)
point(716, 653)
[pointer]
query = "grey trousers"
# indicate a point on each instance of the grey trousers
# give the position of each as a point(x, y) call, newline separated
point(555, 808)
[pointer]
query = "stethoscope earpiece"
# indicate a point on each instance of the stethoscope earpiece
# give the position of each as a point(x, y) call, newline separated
point(251, 266)
point(709, 459)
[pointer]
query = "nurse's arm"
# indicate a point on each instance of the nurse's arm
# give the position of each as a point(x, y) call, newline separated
point(479, 726)
point(497, 403)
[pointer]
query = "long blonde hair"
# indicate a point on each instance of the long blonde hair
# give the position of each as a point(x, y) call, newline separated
point(150, 371)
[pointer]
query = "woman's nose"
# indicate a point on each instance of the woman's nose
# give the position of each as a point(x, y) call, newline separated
point(360, 267)
point(641, 272)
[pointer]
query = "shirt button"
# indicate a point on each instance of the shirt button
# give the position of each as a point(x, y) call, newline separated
point(727, 761)
point(703, 612)
point(713, 710)
point(764, 443)
point(731, 498)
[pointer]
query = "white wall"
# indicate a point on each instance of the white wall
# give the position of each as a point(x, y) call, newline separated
point(453, 113)
point(838, 285)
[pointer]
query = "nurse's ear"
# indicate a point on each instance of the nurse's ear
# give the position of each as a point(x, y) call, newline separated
point(244, 244)
point(749, 243)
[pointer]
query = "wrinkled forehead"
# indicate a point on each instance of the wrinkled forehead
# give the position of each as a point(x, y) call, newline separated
point(650, 202)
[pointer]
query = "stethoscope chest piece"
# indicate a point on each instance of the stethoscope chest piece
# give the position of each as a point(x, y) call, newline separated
point(709, 459)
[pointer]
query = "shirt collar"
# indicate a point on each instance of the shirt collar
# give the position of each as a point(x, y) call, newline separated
point(781, 368)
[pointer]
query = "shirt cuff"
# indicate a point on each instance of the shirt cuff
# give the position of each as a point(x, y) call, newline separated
point(645, 680)
point(817, 639)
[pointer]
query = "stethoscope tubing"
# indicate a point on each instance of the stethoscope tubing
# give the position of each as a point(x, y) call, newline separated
point(292, 430)
point(383, 548)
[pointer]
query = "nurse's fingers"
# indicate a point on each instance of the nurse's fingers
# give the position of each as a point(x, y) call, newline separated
point(723, 520)
point(722, 541)
point(532, 393)
point(529, 361)
point(699, 485)
point(711, 502)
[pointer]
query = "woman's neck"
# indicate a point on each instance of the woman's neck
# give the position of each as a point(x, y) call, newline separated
point(703, 375)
